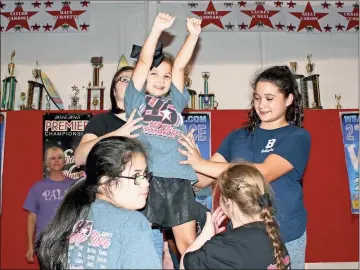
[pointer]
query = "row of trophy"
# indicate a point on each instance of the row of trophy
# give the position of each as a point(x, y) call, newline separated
point(206, 100)
point(312, 100)
point(95, 90)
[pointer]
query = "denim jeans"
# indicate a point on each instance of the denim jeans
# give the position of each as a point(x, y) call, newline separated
point(296, 250)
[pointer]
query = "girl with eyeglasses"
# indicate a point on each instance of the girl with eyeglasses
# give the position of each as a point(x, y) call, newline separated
point(97, 225)
point(113, 123)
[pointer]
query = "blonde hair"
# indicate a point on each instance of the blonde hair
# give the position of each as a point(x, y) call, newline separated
point(51, 150)
point(244, 185)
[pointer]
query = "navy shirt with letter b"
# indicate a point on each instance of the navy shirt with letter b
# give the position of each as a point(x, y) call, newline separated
point(291, 143)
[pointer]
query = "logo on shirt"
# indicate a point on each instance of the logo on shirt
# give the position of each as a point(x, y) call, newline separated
point(269, 146)
point(160, 117)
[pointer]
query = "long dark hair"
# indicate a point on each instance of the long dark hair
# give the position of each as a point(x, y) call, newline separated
point(284, 79)
point(107, 158)
point(114, 107)
point(244, 184)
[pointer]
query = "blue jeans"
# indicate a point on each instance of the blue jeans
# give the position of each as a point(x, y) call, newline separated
point(158, 242)
point(296, 249)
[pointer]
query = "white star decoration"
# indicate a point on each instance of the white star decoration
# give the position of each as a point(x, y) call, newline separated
point(166, 115)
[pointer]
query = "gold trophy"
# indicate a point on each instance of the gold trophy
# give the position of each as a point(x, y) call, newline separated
point(35, 85)
point(22, 98)
point(206, 100)
point(192, 93)
point(338, 98)
point(293, 67)
point(75, 99)
point(9, 87)
point(314, 78)
point(96, 89)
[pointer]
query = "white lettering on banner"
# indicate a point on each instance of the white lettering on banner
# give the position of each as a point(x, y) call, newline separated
point(73, 125)
point(353, 157)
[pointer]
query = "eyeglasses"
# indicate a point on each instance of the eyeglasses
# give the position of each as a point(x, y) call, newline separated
point(138, 179)
point(124, 79)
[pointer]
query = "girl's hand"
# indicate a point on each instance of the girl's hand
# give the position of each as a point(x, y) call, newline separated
point(194, 26)
point(191, 150)
point(163, 21)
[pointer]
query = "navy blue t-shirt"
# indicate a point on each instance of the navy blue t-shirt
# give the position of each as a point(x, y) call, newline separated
point(289, 142)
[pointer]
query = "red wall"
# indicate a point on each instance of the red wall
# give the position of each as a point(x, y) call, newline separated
point(333, 232)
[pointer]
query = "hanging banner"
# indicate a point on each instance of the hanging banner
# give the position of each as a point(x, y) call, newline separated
point(350, 133)
point(201, 124)
point(44, 16)
point(2, 144)
point(65, 131)
point(271, 16)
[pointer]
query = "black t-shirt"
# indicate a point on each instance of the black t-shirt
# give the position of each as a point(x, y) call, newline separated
point(103, 123)
point(245, 247)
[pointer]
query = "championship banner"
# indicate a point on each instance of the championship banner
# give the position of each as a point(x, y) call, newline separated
point(350, 134)
point(44, 16)
point(2, 144)
point(271, 16)
point(65, 131)
point(201, 124)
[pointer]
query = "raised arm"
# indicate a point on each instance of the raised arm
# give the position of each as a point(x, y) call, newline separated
point(162, 21)
point(184, 55)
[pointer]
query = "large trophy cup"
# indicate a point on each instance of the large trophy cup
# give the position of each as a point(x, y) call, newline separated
point(95, 93)
point(313, 101)
point(35, 88)
point(206, 100)
point(9, 87)
point(302, 85)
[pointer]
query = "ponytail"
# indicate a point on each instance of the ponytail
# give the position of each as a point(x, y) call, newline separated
point(273, 231)
point(53, 243)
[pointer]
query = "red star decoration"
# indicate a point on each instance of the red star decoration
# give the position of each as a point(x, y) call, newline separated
point(84, 3)
point(339, 27)
point(260, 14)
point(66, 16)
point(48, 4)
point(2, 5)
point(339, 4)
point(36, 4)
point(290, 28)
point(21, 20)
point(215, 16)
point(352, 17)
point(47, 27)
point(278, 4)
point(242, 4)
point(327, 28)
point(309, 17)
point(242, 26)
point(35, 27)
point(280, 26)
point(325, 5)
point(291, 4)
point(84, 27)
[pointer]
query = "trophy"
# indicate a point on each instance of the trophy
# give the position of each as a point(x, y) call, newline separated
point(192, 93)
point(301, 83)
point(35, 86)
point(311, 101)
point(206, 100)
point(75, 99)
point(338, 98)
point(9, 87)
point(95, 93)
point(22, 98)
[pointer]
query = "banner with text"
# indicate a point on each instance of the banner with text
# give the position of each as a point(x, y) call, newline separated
point(201, 124)
point(350, 134)
point(65, 131)
point(270, 16)
point(44, 16)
